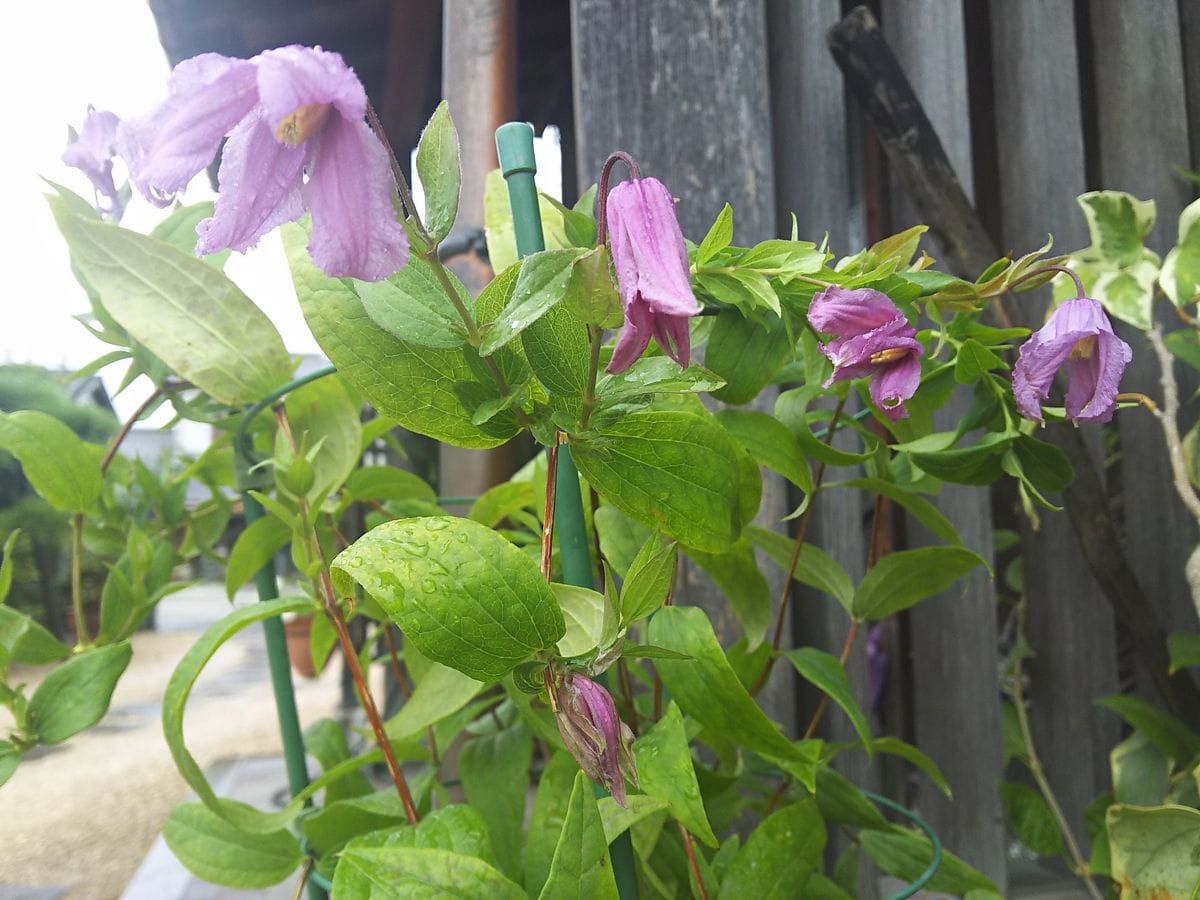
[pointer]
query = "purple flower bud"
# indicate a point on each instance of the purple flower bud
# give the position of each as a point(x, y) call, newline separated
point(91, 152)
point(594, 734)
point(652, 272)
point(872, 338)
point(1080, 337)
point(297, 142)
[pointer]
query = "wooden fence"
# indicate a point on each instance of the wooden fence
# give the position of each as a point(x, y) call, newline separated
point(1035, 101)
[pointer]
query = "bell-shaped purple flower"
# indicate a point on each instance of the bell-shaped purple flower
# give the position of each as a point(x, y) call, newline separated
point(594, 734)
point(652, 272)
point(872, 339)
point(1079, 336)
point(297, 141)
point(91, 151)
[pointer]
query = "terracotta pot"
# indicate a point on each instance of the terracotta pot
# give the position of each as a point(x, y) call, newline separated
point(298, 631)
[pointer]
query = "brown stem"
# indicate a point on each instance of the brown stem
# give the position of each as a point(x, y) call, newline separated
point(690, 850)
point(775, 797)
point(397, 172)
point(127, 426)
point(801, 529)
point(394, 657)
point(304, 873)
point(824, 704)
point(548, 511)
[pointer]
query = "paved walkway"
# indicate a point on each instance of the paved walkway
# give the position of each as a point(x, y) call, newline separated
point(77, 819)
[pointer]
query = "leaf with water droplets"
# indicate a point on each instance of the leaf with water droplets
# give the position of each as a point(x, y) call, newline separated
point(463, 595)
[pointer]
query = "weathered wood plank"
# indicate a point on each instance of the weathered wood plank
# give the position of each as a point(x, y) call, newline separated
point(1041, 171)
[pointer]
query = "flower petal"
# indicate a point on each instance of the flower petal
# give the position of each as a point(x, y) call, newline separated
point(647, 246)
point(851, 356)
point(1094, 382)
point(349, 192)
point(634, 338)
point(847, 313)
point(295, 76)
point(895, 383)
point(165, 149)
point(92, 152)
point(673, 336)
point(260, 189)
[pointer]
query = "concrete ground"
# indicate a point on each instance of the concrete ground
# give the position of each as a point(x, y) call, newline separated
point(77, 819)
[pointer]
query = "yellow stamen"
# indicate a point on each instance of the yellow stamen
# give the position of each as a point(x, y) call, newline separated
point(889, 355)
point(1084, 348)
point(302, 123)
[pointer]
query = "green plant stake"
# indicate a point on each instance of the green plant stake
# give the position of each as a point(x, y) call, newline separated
point(514, 146)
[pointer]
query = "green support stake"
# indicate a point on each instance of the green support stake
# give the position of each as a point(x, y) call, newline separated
point(514, 146)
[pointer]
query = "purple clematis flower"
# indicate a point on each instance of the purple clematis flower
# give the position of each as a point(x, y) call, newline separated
point(652, 272)
point(297, 141)
point(595, 735)
point(872, 338)
point(1079, 336)
point(91, 151)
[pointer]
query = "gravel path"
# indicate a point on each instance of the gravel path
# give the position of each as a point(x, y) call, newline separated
point(81, 815)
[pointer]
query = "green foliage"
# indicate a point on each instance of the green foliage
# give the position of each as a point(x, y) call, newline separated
point(1154, 850)
point(580, 868)
point(438, 168)
point(213, 849)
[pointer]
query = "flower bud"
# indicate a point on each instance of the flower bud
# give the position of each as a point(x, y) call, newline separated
point(594, 734)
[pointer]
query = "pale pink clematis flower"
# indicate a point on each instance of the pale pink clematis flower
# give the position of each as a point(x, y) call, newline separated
point(652, 272)
point(297, 141)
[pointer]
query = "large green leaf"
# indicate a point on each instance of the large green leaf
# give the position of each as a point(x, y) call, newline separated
point(654, 375)
point(583, 611)
point(541, 284)
point(826, 672)
point(1154, 851)
point(422, 388)
point(745, 355)
point(1030, 818)
point(325, 741)
point(494, 769)
point(1141, 773)
point(253, 549)
point(60, 466)
point(440, 172)
point(666, 771)
point(366, 871)
point(442, 691)
point(916, 505)
point(336, 822)
point(906, 577)
point(650, 578)
point(412, 305)
point(1118, 223)
point(556, 346)
point(323, 413)
point(24, 640)
point(1180, 275)
point(76, 694)
point(461, 593)
point(708, 690)
point(581, 869)
point(547, 818)
point(210, 847)
point(770, 443)
point(188, 314)
point(1166, 732)
point(779, 856)
point(814, 566)
point(736, 573)
point(906, 855)
point(670, 470)
point(591, 294)
point(179, 230)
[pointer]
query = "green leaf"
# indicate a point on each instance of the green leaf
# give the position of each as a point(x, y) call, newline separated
point(179, 230)
point(412, 305)
point(419, 387)
point(1154, 850)
point(618, 819)
point(1118, 223)
point(69, 477)
point(325, 741)
point(581, 868)
point(906, 855)
point(541, 284)
point(914, 504)
point(367, 871)
point(650, 578)
point(175, 698)
point(188, 314)
point(906, 577)
point(213, 849)
point(547, 818)
point(27, 641)
point(583, 612)
point(498, 503)
point(441, 692)
point(896, 747)
point(440, 173)
point(494, 769)
point(718, 237)
point(770, 443)
point(330, 827)
point(974, 361)
point(1166, 732)
point(823, 670)
point(706, 688)
point(76, 695)
point(737, 574)
point(745, 355)
point(1030, 819)
point(744, 289)
point(1042, 466)
point(1140, 771)
point(814, 566)
point(784, 259)
point(666, 771)
point(497, 218)
point(253, 549)
point(591, 294)
point(655, 375)
point(979, 464)
point(1180, 275)
point(1184, 650)
point(325, 416)
point(620, 538)
point(6, 567)
point(1128, 294)
point(669, 470)
point(779, 856)
point(842, 802)
point(461, 593)
point(556, 346)
point(10, 758)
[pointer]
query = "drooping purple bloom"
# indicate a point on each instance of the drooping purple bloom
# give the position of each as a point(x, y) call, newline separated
point(872, 339)
point(652, 272)
point(91, 151)
point(297, 141)
point(1079, 336)
point(594, 734)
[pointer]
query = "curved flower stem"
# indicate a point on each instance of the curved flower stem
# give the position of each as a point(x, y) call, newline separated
point(690, 849)
point(602, 190)
point(801, 529)
point(1039, 774)
point(548, 511)
point(596, 335)
point(1042, 270)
